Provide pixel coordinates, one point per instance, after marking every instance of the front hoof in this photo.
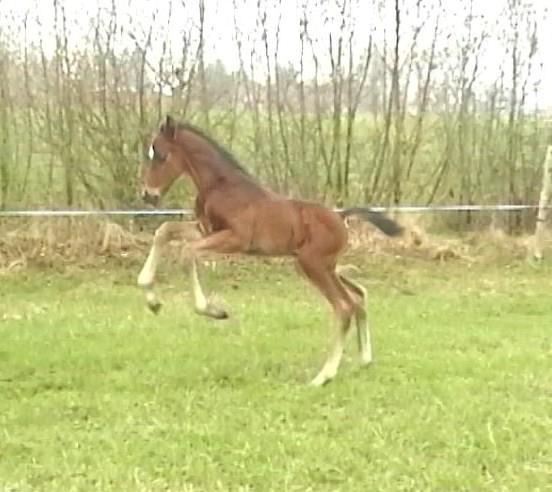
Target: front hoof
(155, 307)
(320, 381)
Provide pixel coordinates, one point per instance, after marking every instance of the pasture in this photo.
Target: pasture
(96, 393)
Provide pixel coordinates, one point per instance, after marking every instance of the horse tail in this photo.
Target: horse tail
(380, 220)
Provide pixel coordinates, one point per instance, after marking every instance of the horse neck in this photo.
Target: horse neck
(201, 173)
(203, 164)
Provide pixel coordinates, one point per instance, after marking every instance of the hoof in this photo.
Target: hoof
(214, 312)
(319, 381)
(366, 361)
(155, 307)
(221, 315)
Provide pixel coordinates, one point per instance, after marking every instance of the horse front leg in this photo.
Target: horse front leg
(202, 304)
(218, 242)
(146, 279)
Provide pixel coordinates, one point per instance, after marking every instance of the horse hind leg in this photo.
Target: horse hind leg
(364, 340)
(329, 285)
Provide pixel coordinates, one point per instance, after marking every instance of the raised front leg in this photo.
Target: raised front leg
(166, 232)
(219, 242)
(203, 305)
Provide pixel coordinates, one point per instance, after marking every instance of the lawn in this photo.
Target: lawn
(96, 393)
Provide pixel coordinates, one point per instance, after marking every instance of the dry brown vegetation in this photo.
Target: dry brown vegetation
(48, 242)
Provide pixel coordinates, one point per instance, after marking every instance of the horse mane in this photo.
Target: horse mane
(228, 157)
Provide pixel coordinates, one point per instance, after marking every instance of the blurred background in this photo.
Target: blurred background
(344, 101)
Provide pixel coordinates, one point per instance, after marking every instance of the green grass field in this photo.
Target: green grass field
(98, 394)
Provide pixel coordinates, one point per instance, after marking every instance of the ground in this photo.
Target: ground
(96, 393)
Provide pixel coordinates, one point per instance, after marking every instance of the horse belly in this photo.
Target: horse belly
(277, 231)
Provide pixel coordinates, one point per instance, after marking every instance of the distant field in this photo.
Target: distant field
(100, 168)
(98, 394)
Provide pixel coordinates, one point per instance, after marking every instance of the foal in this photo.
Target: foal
(237, 215)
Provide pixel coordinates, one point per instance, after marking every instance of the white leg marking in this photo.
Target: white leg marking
(366, 354)
(151, 297)
(147, 274)
(200, 300)
(364, 338)
(362, 323)
(329, 370)
(202, 304)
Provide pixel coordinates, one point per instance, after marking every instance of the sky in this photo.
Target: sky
(171, 19)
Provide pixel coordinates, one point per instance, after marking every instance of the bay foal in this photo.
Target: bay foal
(236, 214)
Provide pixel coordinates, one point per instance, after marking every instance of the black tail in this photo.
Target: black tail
(382, 222)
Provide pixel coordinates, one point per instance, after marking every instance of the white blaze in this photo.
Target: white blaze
(151, 153)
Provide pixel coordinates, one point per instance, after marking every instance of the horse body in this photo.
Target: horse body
(237, 215)
(269, 224)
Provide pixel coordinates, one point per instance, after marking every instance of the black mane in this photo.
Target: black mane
(223, 152)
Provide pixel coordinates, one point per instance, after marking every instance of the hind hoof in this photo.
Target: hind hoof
(366, 361)
(220, 314)
(213, 312)
(319, 381)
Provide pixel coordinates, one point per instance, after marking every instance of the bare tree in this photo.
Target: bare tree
(393, 106)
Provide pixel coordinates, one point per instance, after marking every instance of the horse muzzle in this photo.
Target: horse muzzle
(150, 198)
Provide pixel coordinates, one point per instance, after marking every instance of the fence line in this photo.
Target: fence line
(85, 212)
(449, 208)
(190, 212)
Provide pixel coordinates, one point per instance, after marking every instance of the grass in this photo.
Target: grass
(97, 394)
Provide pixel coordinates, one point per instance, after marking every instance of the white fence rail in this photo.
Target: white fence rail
(190, 212)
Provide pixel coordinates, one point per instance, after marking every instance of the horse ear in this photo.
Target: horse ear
(168, 128)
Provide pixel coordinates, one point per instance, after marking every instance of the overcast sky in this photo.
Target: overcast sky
(221, 18)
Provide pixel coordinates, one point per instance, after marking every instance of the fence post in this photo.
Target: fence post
(543, 201)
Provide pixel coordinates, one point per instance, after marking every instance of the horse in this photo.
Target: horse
(235, 214)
